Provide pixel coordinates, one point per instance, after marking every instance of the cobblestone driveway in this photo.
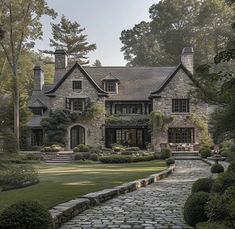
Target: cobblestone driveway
(159, 205)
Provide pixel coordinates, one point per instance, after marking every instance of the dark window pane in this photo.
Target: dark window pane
(37, 111)
(181, 135)
(111, 86)
(78, 104)
(128, 108)
(77, 84)
(180, 105)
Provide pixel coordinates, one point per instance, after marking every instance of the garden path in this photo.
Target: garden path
(159, 205)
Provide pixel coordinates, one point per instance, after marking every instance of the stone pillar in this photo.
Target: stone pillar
(187, 58)
(38, 80)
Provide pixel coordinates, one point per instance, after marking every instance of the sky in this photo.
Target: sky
(103, 20)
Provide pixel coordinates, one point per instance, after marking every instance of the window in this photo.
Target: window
(75, 104)
(180, 105)
(37, 137)
(128, 108)
(77, 85)
(37, 111)
(110, 86)
(181, 135)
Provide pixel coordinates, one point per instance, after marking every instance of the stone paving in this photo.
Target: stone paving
(159, 205)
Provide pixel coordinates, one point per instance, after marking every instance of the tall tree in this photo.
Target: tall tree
(97, 63)
(218, 87)
(205, 25)
(69, 35)
(20, 19)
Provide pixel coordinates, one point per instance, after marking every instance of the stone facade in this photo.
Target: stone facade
(136, 92)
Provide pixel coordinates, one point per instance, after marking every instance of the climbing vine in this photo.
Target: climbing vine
(158, 124)
(55, 126)
(201, 123)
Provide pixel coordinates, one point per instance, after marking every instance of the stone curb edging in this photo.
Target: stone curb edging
(66, 211)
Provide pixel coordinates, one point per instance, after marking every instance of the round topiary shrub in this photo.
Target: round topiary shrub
(78, 157)
(231, 167)
(165, 153)
(83, 148)
(170, 161)
(26, 215)
(194, 208)
(94, 157)
(217, 168)
(205, 152)
(202, 185)
(223, 181)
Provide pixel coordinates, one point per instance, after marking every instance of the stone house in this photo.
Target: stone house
(127, 94)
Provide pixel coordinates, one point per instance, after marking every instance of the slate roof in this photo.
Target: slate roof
(136, 83)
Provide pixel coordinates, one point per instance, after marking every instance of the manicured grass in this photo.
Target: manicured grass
(60, 183)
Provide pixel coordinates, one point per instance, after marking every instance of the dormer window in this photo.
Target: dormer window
(37, 111)
(110, 86)
(77, 85)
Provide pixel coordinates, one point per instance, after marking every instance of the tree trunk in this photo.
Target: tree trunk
(16, 103)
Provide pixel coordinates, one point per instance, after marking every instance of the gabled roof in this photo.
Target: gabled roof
(37, 104)
(169, 78)
(76, 65)
(136, 83)
(110, 76)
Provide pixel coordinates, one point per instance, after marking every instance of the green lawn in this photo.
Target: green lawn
(60, 183)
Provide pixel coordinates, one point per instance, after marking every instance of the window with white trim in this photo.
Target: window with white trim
(180, 105)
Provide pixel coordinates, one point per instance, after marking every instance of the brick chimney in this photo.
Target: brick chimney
(187, 58)
(61, 59)
(38, 80)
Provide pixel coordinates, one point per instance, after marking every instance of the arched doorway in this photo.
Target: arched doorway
(77, 136)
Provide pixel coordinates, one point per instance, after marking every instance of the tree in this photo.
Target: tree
(218, 87)
(205, 25)
(21, 22)
(69, 35)
(97, 63)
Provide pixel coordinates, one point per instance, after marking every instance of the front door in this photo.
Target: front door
(77, 134)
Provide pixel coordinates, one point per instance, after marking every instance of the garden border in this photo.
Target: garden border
(64, 212)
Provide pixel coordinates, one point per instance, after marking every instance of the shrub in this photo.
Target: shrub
(216, 208)
(231, 167)
(223, 181)
(116, 159)
(52, 148)
(129, 152)
(26, 215)
(83, 148)
(9, 142)
(165, 153)
(118, 148)
(211, 225)
(95, 150)
(18, 176)
(32, 156)
(205, 151)
(217, 168)
(170, 161)
(86, 155)
(194, 208)
(143, 158)
(202, 185)
(94, 157)
(78, 157)
(132, 149)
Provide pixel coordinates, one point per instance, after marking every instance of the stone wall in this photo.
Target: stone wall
(179, 88)
(94, 128)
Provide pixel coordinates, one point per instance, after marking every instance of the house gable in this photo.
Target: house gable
(85, 74)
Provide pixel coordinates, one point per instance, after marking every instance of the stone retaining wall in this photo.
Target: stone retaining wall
(66, 211)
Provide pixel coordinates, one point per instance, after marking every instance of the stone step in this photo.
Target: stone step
(187, 157)
(58, 161)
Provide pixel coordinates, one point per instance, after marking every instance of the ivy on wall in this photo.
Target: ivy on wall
(55, 126)
(201, 124)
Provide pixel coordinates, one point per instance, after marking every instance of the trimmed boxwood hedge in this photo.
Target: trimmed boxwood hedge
(125, 159)
(217, 168)
(194, 208)
(202, 185)
(170, 161)
(205, 152)
(26, 215)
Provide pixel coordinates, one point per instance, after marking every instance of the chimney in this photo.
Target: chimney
(187, 58)
(61, 59)
(38, 78)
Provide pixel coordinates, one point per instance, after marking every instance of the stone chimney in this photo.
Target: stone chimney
(38, 80)
(187, 58)
(61, 59)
